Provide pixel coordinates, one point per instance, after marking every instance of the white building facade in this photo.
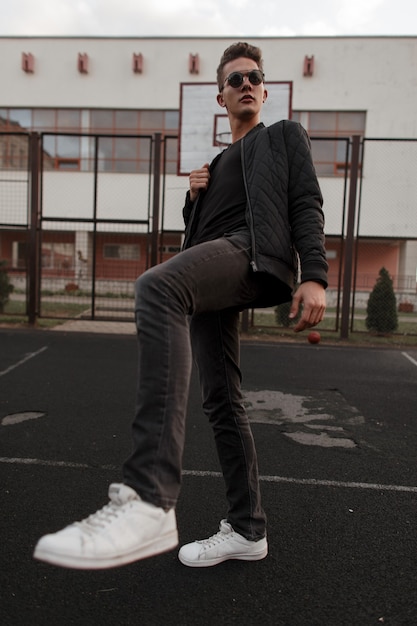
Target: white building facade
(78, 86)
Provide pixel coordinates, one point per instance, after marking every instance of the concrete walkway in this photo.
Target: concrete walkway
(89, 326)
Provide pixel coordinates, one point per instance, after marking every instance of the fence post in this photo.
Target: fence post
(94, 246)
(156, 199)
(34, 266)
(245, 321)
(350, 237)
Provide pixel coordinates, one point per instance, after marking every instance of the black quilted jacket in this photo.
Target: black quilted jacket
(284, 204)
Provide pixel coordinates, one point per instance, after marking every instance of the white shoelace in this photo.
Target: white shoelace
(101, 518)
(215, 539)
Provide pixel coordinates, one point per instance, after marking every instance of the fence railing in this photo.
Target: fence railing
(76, 235)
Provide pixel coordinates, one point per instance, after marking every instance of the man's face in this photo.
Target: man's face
(245, 100)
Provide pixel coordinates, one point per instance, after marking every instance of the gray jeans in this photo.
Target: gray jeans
(190, 305)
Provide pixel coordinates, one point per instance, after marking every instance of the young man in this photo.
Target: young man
(247, 215)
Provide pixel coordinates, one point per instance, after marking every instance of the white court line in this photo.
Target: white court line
(20, 461)
(338, 483)
(202, 473)
(410, 358)
(27, 357)
(314, 482)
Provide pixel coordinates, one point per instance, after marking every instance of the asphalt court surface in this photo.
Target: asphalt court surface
(336, 432)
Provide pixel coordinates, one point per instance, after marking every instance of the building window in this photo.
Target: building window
(169, 249)
(20, 255)
(118, 154)
(329, 153)
(122, 252)
(14, 150)
(58, 256)
(65, 148)
(67, 164)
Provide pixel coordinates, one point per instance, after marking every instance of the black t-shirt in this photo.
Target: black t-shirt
(221, 209)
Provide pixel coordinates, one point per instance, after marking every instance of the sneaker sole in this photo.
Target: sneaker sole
(249, 556)
(162, 544)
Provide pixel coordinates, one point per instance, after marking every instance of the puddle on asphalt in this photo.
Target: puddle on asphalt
(320, 419)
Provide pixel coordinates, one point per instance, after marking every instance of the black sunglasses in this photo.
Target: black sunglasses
(235, 79)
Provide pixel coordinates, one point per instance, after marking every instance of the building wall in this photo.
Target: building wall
(64, 254)
(372, 74)
(376, 74)
(370, 258)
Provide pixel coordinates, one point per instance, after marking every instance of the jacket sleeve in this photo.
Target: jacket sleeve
(305, 203)
(186, 211)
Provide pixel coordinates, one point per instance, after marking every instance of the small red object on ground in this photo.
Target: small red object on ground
(314, 337)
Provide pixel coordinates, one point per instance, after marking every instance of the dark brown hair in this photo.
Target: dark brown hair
(236, 50)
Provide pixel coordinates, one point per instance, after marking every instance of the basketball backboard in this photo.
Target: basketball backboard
(204, 126)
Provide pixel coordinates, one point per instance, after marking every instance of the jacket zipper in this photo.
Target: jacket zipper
(251, 227)
(191, 222)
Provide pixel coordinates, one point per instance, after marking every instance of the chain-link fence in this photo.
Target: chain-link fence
(386, 237)
(14, 221)
(371, 236)
(95, 229)
(75, 235)
(91, 225)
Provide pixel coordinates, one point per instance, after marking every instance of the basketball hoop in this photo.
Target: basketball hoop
(223, 140)
(205, 129)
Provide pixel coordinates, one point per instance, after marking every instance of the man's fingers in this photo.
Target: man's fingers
(309, 318)
(199, 180)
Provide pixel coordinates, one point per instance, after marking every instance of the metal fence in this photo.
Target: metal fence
(76, 234)
(371, 229)
(386, 229)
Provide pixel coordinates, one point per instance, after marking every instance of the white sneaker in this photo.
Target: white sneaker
(224, 545)
(125, 530)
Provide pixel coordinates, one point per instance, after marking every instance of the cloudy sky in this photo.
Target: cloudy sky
(208, 17)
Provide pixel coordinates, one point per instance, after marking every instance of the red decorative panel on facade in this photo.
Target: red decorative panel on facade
(83, 63)
(28, 62)
(308, 66)
(194, 64)
(137, 63)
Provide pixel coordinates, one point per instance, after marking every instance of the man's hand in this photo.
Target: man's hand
(199, 180)
(312, 296)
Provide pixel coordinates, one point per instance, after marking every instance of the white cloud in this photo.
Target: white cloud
(355, 14)
(318, 28)
(207, 17)
(240, 4)
(278, 31)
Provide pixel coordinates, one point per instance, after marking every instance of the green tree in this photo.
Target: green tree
(381, 310)
(5, 287)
